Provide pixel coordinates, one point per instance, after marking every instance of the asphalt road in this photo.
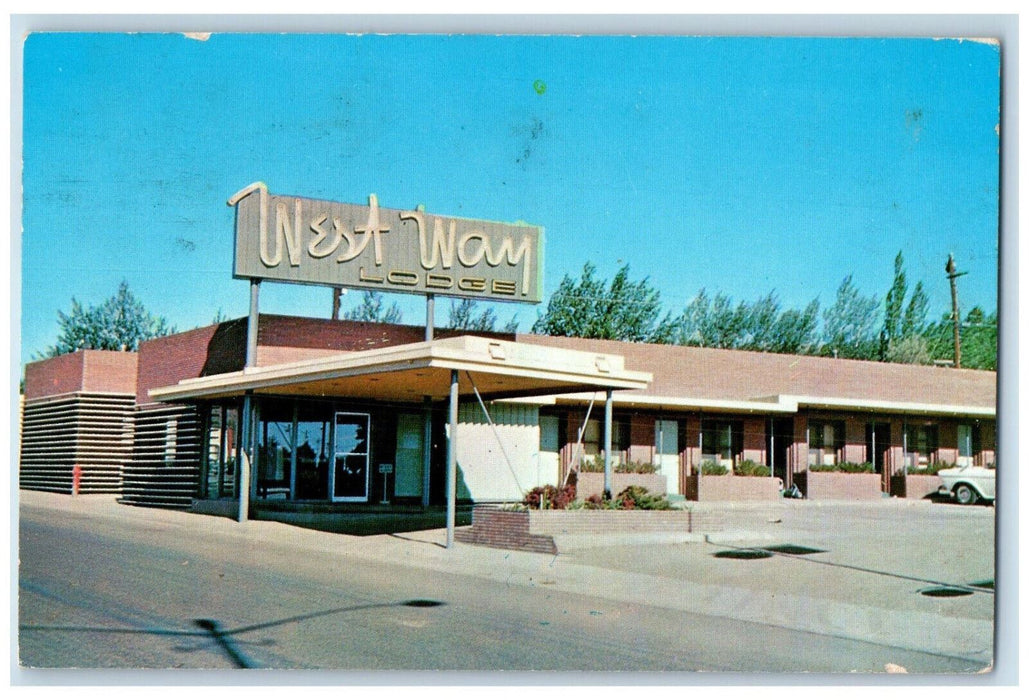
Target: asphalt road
(164, 593)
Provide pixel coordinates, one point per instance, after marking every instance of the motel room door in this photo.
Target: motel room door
(877, 449)
(666, 440)
(350, 467)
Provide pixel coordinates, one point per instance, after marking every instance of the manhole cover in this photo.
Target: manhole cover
(945, 592)
(743, 554)
(422, 603)
(793, 549)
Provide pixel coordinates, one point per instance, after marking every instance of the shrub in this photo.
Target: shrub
(856, 467)
(633, 467)
(710, 468)
(637, 497)
(550, 497)
(822, 467)
(749, 467)
(844, 467)
(930, 469)
(596, 464)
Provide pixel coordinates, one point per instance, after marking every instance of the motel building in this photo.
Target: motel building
(268, 416)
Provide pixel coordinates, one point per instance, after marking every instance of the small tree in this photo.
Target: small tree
(373, 309)
(119, 323)
(463, 316)
(589, 308)
(849, 324)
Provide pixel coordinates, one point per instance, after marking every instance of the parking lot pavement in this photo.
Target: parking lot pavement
(866, 583)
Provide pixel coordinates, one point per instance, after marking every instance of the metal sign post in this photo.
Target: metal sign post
(385, 470)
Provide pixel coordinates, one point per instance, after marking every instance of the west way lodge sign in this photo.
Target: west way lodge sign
(309, 241)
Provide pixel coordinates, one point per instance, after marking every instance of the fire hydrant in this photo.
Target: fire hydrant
(76, 479)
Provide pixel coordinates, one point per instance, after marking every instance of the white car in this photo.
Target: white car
(969, 484)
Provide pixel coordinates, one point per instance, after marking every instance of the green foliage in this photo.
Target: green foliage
(119, 323)
(762, 325)
(916, 313)
(630, 498)
(588, 308)
(912, 350)
(978, 340)
(464, 316)
(596, 464)
(931, 469)
(372, 309)
(854, 326)
(749, 467)
(849, 324)
(550, 497)
(893, 307)
(709, 468)
(845, 467)
(639, 498)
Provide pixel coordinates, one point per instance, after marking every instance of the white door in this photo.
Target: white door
(666, 453)
(549, 461)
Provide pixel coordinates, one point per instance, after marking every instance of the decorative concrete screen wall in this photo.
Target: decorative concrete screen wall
(164, 470)
(484, 471)
(77, 411)
(93, 431)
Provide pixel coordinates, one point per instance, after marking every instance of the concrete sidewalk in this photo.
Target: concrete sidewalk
(865, 585)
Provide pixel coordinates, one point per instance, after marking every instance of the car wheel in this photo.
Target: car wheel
(965, 494)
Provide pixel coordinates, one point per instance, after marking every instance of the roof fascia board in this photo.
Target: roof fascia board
(892, 406)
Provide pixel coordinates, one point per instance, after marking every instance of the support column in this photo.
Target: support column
(427, 452)
(452, 461)
(252, 321)
(608, 413)
(247, 466)
(430, 316)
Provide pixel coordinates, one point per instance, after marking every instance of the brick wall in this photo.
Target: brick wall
(166, 361)
(534, 530)
(754, 439)
(641, 438)
(54, 376)
(110, 372)
(605, 522)
(97, 371)
(504, 529)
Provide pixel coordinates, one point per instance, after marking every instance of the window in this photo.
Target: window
(275, 447)
(721, 441)
(923, 441)
(826, 440)
(593, 438)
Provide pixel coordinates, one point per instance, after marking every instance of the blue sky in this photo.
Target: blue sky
(739, 165)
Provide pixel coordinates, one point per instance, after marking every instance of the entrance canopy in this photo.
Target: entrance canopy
(409, 373)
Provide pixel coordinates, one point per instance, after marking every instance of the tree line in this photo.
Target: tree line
(855, 326)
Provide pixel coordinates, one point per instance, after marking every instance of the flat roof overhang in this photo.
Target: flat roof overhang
(782, 405)
(409, 373)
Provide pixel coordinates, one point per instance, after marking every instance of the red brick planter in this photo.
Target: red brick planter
(504, 529)
(730, 487)
(839, 486)
(915, 486)
(534, 530)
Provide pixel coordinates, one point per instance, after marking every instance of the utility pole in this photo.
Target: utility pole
(952, 275)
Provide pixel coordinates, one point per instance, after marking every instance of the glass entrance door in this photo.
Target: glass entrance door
(350, 467)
